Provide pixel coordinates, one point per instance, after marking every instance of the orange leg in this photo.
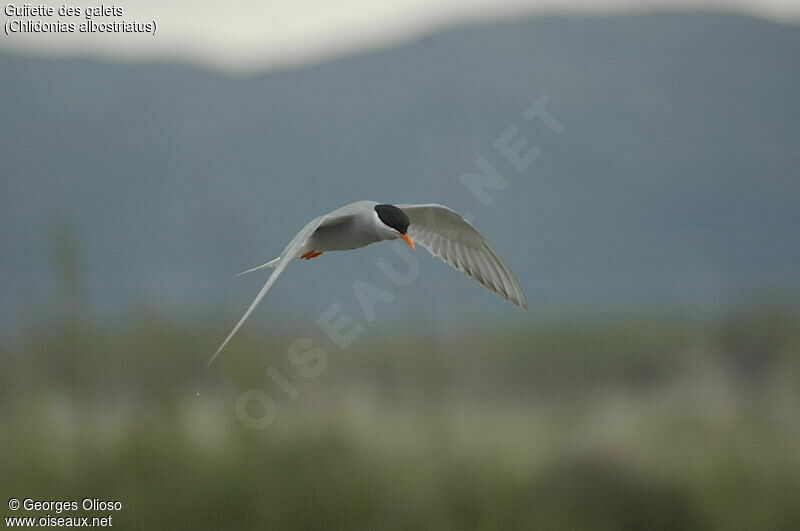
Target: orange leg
(310, 254)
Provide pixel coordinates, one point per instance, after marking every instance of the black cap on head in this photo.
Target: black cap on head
(393, 217)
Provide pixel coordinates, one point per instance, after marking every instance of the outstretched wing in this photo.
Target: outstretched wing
(280, 264)
(444, 233)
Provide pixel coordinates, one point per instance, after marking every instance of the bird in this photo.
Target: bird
(442, 231)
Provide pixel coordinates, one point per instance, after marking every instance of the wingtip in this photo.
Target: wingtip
(217, 353)
(212, 359)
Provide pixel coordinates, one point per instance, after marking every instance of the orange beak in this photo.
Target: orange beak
(407, 240)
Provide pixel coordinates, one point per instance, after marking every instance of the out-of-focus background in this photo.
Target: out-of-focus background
(654, 382)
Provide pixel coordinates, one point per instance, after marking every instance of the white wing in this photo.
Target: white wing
(287, 255)
(444, 233)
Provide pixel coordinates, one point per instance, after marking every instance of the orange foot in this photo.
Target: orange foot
(310, 254)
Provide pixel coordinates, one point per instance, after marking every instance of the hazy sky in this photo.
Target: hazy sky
(246, 34)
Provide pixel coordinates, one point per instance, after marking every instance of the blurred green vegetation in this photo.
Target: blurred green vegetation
(641, 422)
(622, 425)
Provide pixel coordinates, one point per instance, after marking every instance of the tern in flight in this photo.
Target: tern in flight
(442, 231)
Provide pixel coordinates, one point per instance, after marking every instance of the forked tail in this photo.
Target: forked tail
(271, 263)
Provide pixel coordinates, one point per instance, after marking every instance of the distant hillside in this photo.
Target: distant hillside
(676, 180)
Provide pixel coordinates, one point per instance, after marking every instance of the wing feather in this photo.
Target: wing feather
(448, 236)
(289, 253)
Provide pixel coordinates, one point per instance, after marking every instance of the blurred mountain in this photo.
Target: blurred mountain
(676, 180)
